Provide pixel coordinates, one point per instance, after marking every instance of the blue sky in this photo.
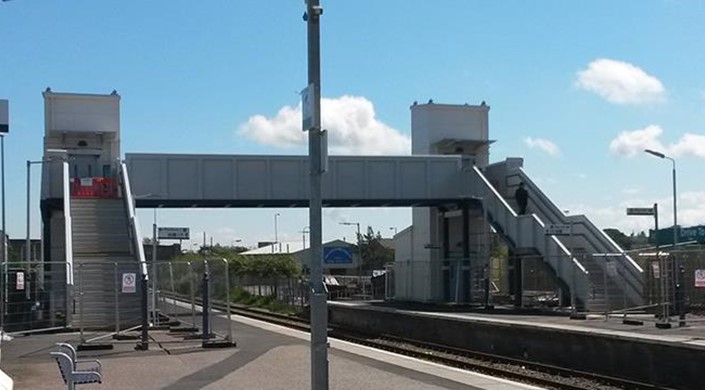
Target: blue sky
(576, 88)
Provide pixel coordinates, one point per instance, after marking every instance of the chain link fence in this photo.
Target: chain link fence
(34, 296)
(228, 281)
(671, 285)
(675, 282)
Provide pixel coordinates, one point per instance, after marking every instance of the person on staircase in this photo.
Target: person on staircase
(522, 197)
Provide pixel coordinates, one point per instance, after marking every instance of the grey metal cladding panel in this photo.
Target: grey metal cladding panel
(146, 176)
(218, 177)
(183, 176)
(251, 178)
(350, 179)
(286, 178)
(444, 179)
(413, 179)
(381, 179)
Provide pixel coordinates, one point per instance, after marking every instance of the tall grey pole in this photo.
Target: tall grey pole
(2, 179)
(4, 235)
(27, 242)
(675, 207)
(359, 249)
(276, 230)
(155, 279)
(319, 314)
(28, 248)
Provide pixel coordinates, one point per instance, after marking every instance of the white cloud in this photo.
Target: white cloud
(691, 208)
(689, 144)
(621, 82)
(543, 144)
(352, 125)
(631, 143)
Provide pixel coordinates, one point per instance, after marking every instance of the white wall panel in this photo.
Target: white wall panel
(285, 178)
(183, 178)
(381, 179)
(252, 178)
(218, 178)
(413, 178)
(246, 179)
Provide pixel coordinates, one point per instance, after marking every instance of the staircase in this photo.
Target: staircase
(102, 252)
(584, 268)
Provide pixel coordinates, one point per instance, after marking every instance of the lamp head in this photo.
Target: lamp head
(655, 153)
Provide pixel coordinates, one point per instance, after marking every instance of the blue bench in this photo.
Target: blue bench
(68, 366)
(88, 364)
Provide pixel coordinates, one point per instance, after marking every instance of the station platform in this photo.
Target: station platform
(692, 334)
(266, 357)
(670, 357)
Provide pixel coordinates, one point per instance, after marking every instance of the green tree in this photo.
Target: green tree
(620, 238)
(374, 254)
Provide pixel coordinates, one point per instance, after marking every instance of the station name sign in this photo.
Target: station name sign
(640, 211)
(173, 233)
(557, 229)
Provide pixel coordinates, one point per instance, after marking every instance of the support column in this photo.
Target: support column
(515, 279)
(464, 283)
(446, 235)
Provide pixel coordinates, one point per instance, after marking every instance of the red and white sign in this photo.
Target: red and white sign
(129, 283)
(700, 278)
(20, 281)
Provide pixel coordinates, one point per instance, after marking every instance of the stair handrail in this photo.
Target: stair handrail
(562, 246)
(488, 186)
(561, 217)
(607, 245)
(580, 278)
(555, 215)
(129, 201)
(68, 224)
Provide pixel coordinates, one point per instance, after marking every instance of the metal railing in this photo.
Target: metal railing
(34, 296)
(528, 232)
(132, 218)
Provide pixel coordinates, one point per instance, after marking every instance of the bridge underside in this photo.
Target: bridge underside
(449, 204)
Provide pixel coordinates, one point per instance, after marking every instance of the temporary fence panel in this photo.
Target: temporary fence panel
(107, 295)
(34, 296)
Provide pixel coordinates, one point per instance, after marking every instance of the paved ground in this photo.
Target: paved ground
(267, 357)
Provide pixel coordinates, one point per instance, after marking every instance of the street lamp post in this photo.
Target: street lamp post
(4, 128)
(303, 235)
(395, 229)
(276, 232)
(359, 248)
(675, 219)
(675, 198)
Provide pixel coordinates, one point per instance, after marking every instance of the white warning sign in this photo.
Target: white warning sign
(700, 278)
(20, 281)
(129, 283)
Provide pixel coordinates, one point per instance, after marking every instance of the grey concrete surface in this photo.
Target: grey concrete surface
(266, 357)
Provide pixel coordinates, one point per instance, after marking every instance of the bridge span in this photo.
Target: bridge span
(190, 180)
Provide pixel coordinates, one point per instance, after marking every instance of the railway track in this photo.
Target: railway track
(548, 376)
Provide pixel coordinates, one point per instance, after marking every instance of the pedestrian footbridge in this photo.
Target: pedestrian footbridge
(183, 180)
